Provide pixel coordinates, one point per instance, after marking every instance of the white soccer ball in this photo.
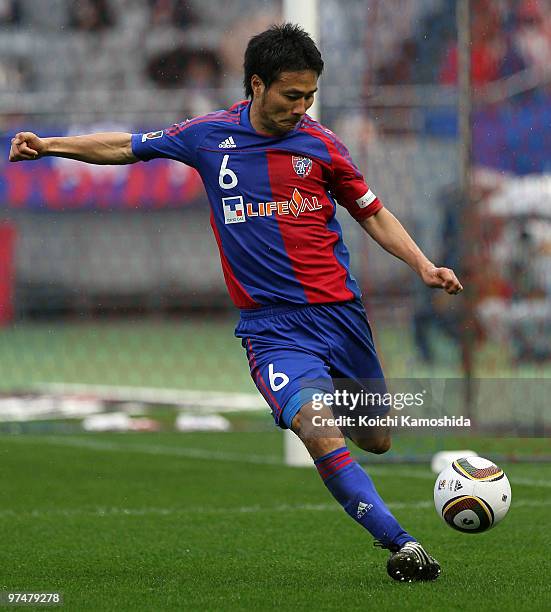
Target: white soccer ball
(472, 494)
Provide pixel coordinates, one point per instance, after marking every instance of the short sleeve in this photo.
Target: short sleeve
(348, 185)
(179, 142)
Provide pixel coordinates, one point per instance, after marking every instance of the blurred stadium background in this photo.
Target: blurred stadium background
(111, 293)
(114, 315)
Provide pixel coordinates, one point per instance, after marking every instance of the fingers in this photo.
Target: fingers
(24, 149)
(20, 149)
(453, 288)
(450, 282)
(22, 140)
(15, 157)
(16, 154)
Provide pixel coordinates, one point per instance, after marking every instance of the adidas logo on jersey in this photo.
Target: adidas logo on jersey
(227, 144)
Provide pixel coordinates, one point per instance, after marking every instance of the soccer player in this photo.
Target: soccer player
(274, 178)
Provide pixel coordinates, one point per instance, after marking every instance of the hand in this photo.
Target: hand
(442, 278)
(26, 146)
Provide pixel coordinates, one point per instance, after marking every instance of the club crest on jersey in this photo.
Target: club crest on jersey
(237, 211)
(302, 165)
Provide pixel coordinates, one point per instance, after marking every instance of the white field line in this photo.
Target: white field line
(199, 453)
(209, 401)
(151, 449)
(102, 512)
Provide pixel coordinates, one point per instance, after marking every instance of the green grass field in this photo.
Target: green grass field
(216, 522)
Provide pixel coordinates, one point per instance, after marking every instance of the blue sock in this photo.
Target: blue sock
(356, 493)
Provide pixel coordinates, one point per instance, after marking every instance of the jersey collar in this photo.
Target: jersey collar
(245, 119)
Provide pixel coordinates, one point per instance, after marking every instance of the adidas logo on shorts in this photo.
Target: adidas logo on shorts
(227, 144)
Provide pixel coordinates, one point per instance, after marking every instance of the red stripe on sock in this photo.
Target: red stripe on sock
(337, 468)
(329, 460)
(334, 468)
(334, 464)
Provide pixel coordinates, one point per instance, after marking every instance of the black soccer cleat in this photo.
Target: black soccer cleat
(412, 563)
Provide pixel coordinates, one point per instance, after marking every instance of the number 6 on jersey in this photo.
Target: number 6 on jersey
(226, 173)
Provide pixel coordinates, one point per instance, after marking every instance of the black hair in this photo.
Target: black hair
(285, 47)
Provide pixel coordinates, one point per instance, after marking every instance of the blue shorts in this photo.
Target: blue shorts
(295, 352)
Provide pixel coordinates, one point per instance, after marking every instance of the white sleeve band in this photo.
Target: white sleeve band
(366, 199)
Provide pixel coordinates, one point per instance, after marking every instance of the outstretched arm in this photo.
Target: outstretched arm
(385, 229)
(101, 148)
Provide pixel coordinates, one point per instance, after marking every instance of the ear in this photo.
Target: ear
(257, 85)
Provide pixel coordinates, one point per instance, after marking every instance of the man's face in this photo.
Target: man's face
(279, 108)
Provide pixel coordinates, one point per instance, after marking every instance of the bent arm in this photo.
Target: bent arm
(385, 229)
(100, 148)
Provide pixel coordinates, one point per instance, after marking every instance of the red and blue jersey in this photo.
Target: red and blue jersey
(273, 202)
